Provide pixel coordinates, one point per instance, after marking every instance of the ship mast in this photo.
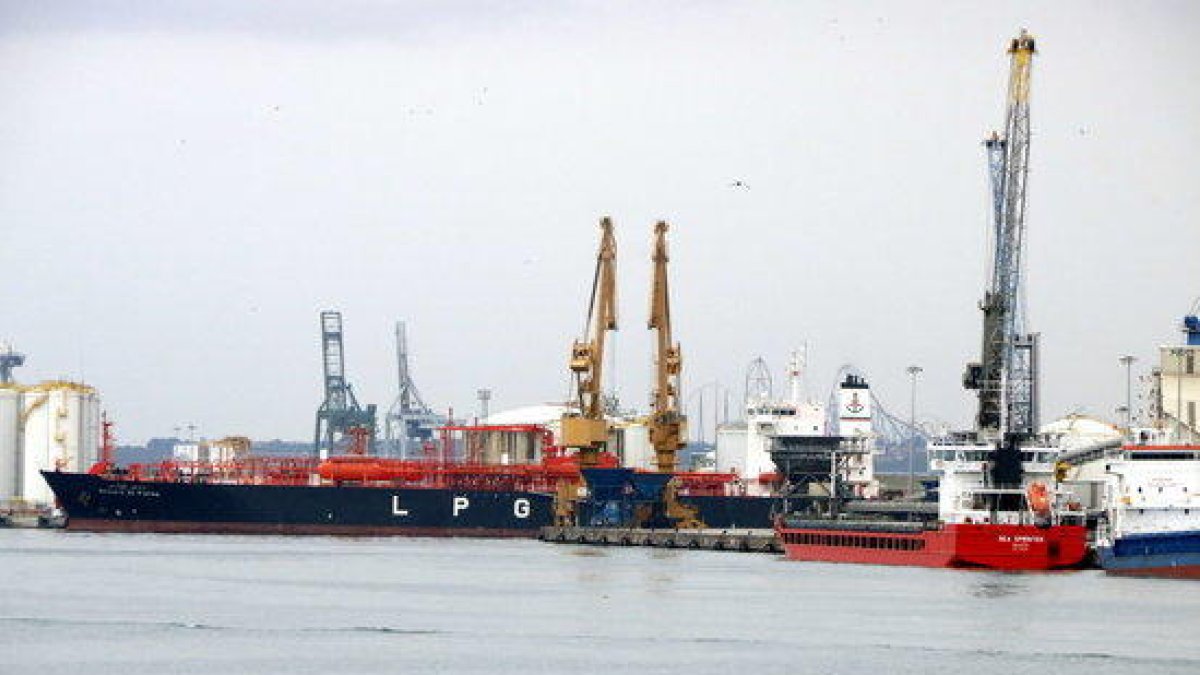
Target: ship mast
(666, 423)
(1007, 374)
(587, 430)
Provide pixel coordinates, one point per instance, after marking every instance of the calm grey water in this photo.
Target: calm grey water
(128, 604)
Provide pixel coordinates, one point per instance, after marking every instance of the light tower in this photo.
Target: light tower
(485, 397)
(913, 372)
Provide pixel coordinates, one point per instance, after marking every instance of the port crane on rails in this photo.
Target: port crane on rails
(665, 424)
(1006, 376)
(587, 430)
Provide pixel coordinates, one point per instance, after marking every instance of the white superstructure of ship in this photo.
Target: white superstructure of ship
(967, 492)
(1150, 521)
(747, 451)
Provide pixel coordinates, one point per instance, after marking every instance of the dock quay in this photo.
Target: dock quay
(745, 540)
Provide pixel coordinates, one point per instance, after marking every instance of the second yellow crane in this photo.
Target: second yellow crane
(666, 423)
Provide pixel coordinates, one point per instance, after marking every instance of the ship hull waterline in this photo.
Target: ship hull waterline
(1169, 555)
(95, 504)
(965, 546)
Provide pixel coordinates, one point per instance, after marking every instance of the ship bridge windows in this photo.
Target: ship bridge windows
(1003, 501)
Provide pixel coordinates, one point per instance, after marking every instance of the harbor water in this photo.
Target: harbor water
(130, 604)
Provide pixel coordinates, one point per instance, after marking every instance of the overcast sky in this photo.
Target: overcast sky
(185, 185)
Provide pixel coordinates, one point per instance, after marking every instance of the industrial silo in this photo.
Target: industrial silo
(61, 431)
(10, 439)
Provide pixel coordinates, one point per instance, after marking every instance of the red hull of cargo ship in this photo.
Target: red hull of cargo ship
(986, 546)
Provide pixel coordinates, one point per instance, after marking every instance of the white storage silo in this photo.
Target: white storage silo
(10, 439)
(61, 431)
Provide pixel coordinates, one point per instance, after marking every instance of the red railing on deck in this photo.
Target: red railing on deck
(358, 470)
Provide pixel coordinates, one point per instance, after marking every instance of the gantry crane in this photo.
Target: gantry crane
(1006, 376)
(340, 416)
(587, 430)
(666, 424)
(409, 422)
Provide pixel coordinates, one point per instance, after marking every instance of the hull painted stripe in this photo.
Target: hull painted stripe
(317, 529)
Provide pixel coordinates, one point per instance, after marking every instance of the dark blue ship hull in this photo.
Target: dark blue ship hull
(94, 503)
(99, 504)
(728, 513)
(623, 497)
(1162, 554)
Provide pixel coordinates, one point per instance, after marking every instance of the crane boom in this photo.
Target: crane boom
(587, 430)
(1006, 375)
(666, 422)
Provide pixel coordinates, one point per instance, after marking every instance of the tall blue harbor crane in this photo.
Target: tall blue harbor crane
(1007, 374)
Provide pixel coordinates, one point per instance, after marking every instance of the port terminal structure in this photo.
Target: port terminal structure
(410, 423)
(587, 430)
(340, 418)
(747, 541)
(54, 424)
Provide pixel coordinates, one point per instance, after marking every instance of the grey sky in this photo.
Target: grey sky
(184, 185)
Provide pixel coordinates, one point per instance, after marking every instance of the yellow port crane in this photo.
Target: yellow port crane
(587, 430)
(666, 423)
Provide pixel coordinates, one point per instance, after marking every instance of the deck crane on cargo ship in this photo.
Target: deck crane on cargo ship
(1006, 376)
(587, 430)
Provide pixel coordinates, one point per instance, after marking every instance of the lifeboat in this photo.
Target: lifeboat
(1039, 498)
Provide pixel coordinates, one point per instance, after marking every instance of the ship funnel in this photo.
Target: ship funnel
(854, 407)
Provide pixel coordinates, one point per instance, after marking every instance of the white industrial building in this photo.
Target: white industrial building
(52, 425)
(1177, 380)
(629, 437)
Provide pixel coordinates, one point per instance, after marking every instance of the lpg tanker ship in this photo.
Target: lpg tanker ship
(509, 482)
(354, 494)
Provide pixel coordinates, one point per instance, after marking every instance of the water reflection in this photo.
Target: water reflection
(999, 586)
(586, 552)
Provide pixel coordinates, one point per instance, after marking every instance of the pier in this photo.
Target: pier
(744, 540)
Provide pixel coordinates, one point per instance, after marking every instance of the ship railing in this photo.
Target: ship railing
(251, 470)
(370, 471)
(988, 505)
(712, 483)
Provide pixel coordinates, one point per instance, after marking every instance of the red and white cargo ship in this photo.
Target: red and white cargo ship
(978, 525)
